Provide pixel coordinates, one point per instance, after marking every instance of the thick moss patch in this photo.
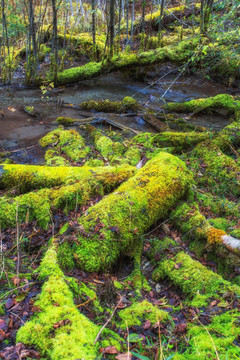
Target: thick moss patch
(111, 226)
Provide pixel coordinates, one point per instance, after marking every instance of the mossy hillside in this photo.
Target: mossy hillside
(198, 283)
(25, 178)
(65, 142)
(41, 204)
(139, 312)
(218, 338)
(125, 105)
(59, 330)
(111, 226)
(216, 103)
(176, 53)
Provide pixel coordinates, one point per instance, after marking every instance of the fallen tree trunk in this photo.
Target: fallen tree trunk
(111, 227)
(191, 222)
(176, 53)
(24, 178)
(40, 205)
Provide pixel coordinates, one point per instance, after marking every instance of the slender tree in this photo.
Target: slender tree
(111, 26)
(54, 41)
(94, 27)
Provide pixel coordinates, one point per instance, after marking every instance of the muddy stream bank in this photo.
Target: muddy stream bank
(20, 131)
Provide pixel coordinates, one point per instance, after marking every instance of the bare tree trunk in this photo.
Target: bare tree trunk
(111, 26)
(5, 40)
(94, 28)
(32, 50)
(54, 42)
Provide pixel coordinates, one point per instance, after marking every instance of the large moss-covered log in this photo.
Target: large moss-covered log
(112, 226)
(177, 53)
(59, 330)
(40, 205)
(24, 178)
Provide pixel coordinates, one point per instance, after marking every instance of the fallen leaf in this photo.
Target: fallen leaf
(125, 356)
(147, 325)
(109, 350)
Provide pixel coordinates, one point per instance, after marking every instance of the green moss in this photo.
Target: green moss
(132, 156)
(220, 171)
(218, 102)
(127, 104)
(40, 205)
(177, 53)
(180, 140)
(112, 225)
(65, 257)
(29, 177)
(217, 338)
(59, 330)
(139, 312)
(194, 279)
(65, 142)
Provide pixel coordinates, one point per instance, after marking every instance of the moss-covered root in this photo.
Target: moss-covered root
(24, 178)
(201, 287)
(139, 312)
(114, 152)
(41, 204)
(178, 140)
(190, 221)
(194, 279)
(216, 103)
(64, 143)
(59, 330)
(220, 171)
(107, 106)
(112, 225)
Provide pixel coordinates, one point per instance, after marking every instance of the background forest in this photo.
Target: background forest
(119, 180)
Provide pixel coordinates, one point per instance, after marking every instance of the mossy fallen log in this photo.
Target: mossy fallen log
(111, 227)
(216, 103)
(24, 178)
(41, 204)
(190, 221)
(179, 140)
(107, 106)
(177, 53)
(59, 330)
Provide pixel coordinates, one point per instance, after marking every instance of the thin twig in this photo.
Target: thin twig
(108, 321)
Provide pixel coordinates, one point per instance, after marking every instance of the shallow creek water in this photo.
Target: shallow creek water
(20, 130)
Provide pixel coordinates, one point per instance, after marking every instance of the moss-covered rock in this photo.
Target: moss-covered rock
(65, 142)
(111, 226)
